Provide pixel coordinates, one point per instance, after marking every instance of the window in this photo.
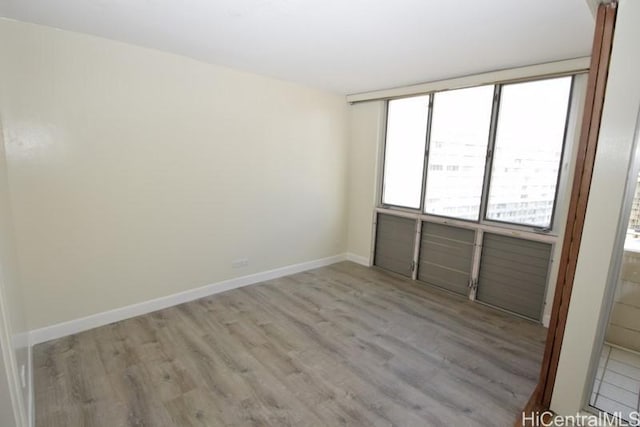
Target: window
(404, 151)
(528, 148)
(458, 193)
(492, 152)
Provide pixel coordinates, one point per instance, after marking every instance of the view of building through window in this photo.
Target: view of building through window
(634, 220)
(528, 150)
(457, 153)
(632, 242)
(524, 165)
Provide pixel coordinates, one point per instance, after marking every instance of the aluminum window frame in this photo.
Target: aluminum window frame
(494, 107)
(563, 154)
(385, 129)
(567, 146)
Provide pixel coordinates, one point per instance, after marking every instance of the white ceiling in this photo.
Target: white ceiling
(345, 46)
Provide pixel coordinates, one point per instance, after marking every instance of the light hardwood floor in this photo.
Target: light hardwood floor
(341, 345)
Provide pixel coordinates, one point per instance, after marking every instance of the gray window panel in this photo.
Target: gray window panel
(506, 276)
(520, 258)
(521, 246)
(446, 256)
(512, 305)
(452, 280)
(394, 243)
(512, 269)
(452, 258)
(513, 274)
(448, 232)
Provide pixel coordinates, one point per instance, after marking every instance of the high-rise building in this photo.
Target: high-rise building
(634, 219)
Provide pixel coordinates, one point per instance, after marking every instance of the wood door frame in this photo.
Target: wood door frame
(592, 115)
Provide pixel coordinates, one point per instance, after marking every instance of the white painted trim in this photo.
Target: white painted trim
(8, 361)
(568, 66)
(358, 259)
(70, 327)
(546, 319)
(508, 230)
(31, 408)
(21, 340)
(417, 227)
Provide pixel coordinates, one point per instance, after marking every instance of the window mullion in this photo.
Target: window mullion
(426, 153)
(563, 155)
(489, 159)
(384, 155)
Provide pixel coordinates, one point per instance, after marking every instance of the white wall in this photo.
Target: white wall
(137, 174)
(365, 136)
(14, 351)
(623, 327)
(603, 212)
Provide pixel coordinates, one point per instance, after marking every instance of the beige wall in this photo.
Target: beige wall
(603, 213)
(365, 138)
(137, 174)
(13, 328)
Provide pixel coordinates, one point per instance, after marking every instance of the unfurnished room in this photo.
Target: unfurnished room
(319, 213)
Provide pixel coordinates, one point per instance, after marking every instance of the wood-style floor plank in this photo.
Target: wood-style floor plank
(340, 345)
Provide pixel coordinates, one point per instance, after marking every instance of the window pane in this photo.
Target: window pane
(404, 151)
(457, 152)
(528, 150)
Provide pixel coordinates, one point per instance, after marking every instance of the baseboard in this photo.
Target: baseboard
(63, 329)
(358, 259)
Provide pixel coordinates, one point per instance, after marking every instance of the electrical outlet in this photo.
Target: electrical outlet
(23, 376)
(240, 262)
